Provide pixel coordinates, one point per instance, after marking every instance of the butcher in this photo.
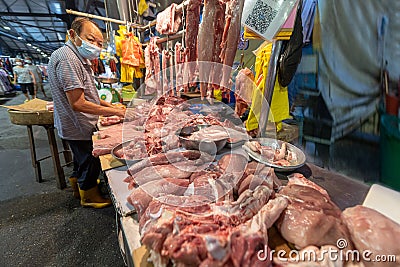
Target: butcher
(77, 106)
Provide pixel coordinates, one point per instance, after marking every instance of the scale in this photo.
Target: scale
(108, 94)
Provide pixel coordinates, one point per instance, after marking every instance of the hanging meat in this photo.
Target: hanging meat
(113, 65)
(219, 23)
(170, 59)
(192, 23)
(206, 45)
(233, 16)
(165, 82)
(179, 60)
(244, 86)
(152, 63)
(169, 20)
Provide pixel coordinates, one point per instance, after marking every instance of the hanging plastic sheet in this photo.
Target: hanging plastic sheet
(266, 17)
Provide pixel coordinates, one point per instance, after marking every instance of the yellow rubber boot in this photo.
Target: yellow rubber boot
(73, 181)
(92, 198)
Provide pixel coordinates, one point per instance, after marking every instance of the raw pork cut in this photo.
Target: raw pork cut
(206, 45)
(110, 120)
(230, 38)
(192, 23)
(310, 218)
(141, 196)
(152, 63)
(105, 145)
(169, 20)
(159, 172)
(164, 158)
(373, 231)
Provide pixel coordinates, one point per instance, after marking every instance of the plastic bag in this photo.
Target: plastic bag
(266, 17)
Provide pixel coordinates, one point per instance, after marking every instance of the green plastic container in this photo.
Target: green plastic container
(390, 151)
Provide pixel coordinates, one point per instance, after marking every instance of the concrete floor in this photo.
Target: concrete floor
(41, 225)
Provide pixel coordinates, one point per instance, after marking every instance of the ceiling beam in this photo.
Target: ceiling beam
(48, 48)
(88, 5)
(52, 20)
(7, 6)
(49, 41)
(63, 17)
(5, 45)
(24, 14)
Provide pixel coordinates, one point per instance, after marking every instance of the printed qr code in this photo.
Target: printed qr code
(261, 16)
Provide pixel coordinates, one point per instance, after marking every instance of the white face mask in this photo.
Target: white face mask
(28, 62)
(18, 63)
(88, 50)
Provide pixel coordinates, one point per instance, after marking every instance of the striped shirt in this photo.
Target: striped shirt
(67, 70)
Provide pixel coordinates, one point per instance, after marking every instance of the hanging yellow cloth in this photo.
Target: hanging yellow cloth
(143, 6)
(129, 49)
(280, 101)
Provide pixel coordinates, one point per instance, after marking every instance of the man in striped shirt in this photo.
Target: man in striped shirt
(77, 105)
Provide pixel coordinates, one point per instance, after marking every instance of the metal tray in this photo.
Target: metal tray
(208, 146)
(301, 157)
(123, 160)
(235, 144)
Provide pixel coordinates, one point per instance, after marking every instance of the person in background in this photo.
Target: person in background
(25, 78)
(77, 105)
(38, 75)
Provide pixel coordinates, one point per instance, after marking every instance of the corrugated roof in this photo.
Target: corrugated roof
(38, 27)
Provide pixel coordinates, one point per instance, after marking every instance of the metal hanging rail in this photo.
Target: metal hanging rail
(170, 37)
(117, 21)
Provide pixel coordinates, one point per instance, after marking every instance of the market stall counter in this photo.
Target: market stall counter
(345, 192)
(177, 204)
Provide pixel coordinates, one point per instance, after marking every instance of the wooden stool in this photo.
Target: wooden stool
(58, 168)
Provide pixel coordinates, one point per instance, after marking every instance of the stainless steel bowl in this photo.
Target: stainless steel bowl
(211, 147)
(123, 160)
(107, 80)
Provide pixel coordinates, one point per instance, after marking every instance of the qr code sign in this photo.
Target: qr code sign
(261, 17)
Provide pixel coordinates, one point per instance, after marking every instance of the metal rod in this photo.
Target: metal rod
(269, 88)
(72, 12)
(117, 21)
(170, 37)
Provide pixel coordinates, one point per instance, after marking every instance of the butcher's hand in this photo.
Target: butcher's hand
(120, 112)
